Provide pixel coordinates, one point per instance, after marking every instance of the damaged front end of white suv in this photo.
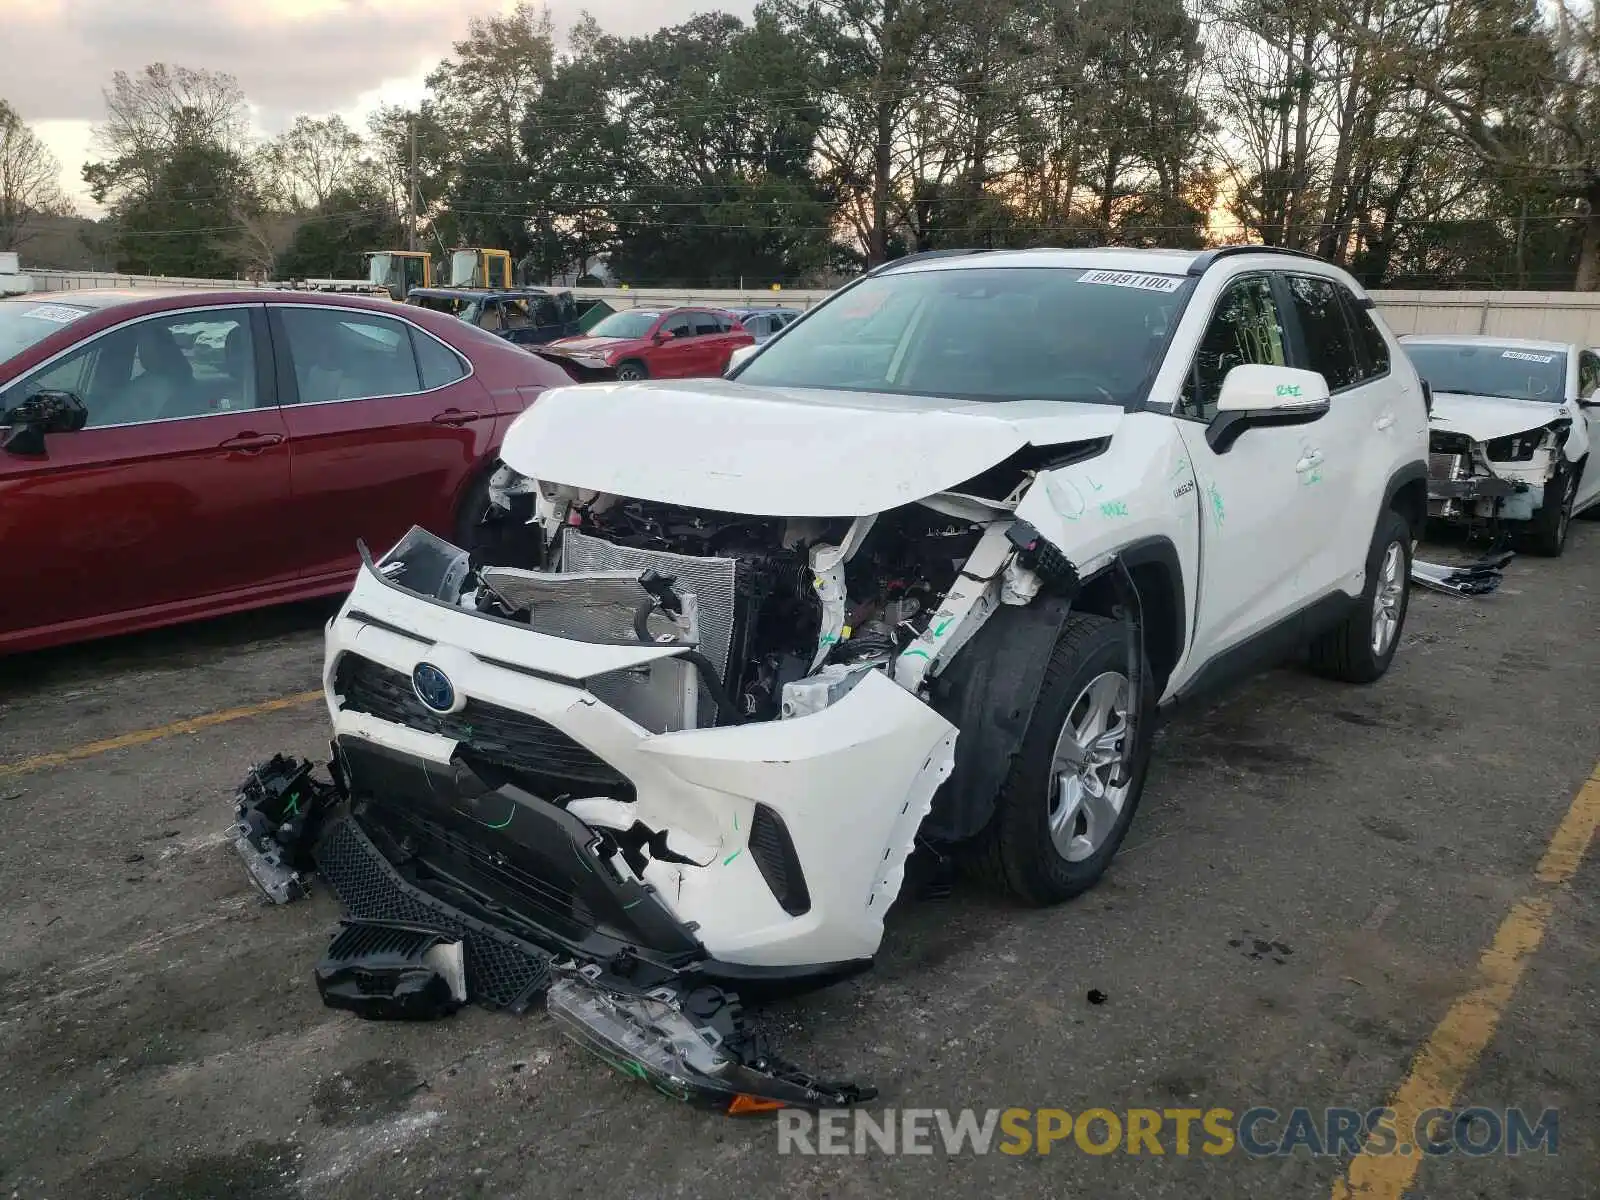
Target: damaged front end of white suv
(675, 748)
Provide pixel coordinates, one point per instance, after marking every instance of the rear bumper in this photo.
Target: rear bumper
(776, 848)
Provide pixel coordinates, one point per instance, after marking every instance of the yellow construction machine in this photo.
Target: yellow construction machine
(476, 267)
(398, 271)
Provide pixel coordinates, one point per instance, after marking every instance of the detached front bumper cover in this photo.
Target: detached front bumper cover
(403, 953)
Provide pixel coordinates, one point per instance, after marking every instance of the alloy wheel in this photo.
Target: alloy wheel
(1084, 805)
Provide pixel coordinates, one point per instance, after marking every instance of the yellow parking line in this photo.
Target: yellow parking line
(39, 762)
(1445, 1060)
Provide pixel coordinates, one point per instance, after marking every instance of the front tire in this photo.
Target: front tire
(1361, 647)
(632, 371)
(1547, 532)
(1059, 820)
(470, 514)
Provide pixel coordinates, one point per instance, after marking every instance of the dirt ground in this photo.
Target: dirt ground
(161, 1035)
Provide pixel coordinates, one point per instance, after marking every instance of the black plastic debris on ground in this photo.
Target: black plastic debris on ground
(387, 971)
(280, 809)
(502, 971)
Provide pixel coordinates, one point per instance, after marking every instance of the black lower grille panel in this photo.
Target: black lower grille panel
(502, 971)
(535, 749)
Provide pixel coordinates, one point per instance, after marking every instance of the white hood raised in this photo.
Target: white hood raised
(1484, 418)
(779, 452)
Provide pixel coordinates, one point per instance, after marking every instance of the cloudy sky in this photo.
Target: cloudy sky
(290, 56)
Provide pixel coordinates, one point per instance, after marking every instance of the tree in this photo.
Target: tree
(189, 219)
(865, 60)
(151, 116)
(352, 219)
(307, 163)
(392, 131)
(689, 151)
(1520, 82)
(483, 94)
(29, 181)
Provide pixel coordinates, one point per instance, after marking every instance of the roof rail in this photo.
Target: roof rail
(924, 256)
(1204, 262)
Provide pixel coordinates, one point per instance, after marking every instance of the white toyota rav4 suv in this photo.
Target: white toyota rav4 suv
(923, 567)
(1514, 425)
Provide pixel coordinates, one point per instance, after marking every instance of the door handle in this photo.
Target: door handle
(251, 443)
(1312, 460)
(454, 416)
(1383, 422)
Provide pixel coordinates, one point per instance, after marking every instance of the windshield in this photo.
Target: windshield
(1476, 369)
(24, 322)
(633, 324)
(988, 334)
(378, 268)
(464, 268)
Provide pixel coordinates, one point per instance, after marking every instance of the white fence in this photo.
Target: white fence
(66, 281)
(1555, 316)
(1550, 316)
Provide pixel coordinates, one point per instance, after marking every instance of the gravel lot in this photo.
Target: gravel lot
(162, 1036)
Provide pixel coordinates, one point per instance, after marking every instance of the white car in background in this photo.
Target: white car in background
(1511, 432)
(13, 281)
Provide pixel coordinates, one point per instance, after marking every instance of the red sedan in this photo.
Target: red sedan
(166, 455)
(653, 343)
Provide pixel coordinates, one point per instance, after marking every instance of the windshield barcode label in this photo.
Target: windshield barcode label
(1524, 356)
(1132, 279)
(59, 313)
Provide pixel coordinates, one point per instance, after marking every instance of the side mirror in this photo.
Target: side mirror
(664, 335)
(740, 356)
(1256, 396)
(39, 414)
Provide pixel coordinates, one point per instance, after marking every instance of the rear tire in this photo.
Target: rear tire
(1042, 806)
(1361, 647)
(1546, 535)
(632, 371)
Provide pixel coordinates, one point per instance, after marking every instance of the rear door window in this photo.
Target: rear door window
(1370, 339)
(346, 354)
(1327, 341)
(437, 363)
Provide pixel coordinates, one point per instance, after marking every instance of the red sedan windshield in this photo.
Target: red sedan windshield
(24, 322)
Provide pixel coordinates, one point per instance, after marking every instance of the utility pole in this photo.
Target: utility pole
(411, 204)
